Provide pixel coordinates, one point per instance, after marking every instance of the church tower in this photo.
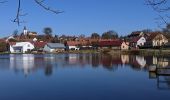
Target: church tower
(25, 31)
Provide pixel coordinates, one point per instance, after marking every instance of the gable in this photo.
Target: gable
(142, 39)
(160, 37)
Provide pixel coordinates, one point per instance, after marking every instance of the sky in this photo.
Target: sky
(79, 17)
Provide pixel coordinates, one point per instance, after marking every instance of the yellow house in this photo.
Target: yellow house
(157, 39)
(125, 45)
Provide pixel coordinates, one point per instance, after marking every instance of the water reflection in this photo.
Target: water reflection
(29, 63)
(84, 77)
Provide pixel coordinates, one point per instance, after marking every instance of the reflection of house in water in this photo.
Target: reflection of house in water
(72, 58)
(141, 61)
(85, 59)
(160, 61)
(111, 62)
(78, 59)
(163, 62)
(23, 62)
(125, 59)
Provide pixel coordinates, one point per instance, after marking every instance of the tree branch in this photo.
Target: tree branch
(40, 3)
(3, 1)
(161, 7)
(17, 18)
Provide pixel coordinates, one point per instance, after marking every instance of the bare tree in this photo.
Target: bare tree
(3, 1)
(162, 7)
(19, 12)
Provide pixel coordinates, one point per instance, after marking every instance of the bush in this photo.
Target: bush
(3, 47)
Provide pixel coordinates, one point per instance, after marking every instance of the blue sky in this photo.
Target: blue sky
(80, 16)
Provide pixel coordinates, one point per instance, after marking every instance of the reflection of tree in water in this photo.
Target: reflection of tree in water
(106, 61)
(95, 60)
(110, 62)
(48, 69)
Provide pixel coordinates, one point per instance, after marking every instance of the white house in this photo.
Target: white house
(54, 47)
(72, 45)
(21, 47)
(137, 41)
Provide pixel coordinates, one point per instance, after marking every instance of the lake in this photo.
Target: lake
(82, 77)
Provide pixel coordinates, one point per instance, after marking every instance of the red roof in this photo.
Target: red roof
(110, 43)
(72, 43)
(135, 39)
(39, 44)
(12, 43)
(76, 43)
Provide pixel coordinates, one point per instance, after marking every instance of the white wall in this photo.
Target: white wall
(27, 46)
(47, 49)
(73, 47)
(141, 41)
(11, 49)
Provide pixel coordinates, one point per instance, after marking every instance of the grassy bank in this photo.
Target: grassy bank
(155, 52)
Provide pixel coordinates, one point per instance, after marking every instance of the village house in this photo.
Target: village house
(39, 46)
(81, 44)
(156, 39)
(54, 47)
(111, 44)
(137, 42)
(72, 45)
(21, 47)
(136, 34)
(125, 45)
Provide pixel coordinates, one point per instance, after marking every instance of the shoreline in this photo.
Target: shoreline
(154, 52)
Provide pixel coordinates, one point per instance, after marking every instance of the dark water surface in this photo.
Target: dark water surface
(82, 77)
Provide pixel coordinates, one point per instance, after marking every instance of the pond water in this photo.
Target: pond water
(82, 77)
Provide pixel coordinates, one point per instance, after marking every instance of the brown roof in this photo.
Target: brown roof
(110, 43)
(76, 43)
(72, 43)
(135, 39)
(152, 35)
(39, 44)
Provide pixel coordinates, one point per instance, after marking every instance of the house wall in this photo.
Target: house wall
(124, 46)
(11, 49)
(27, 47)
(159, 40)
(141, 42)
(47, 49)
(73, 47)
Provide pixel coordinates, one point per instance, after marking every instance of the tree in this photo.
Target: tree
(82, 36)
(95, 36)
(3, 46)
(162, 8)
(19, 12)
(48, 31)
(110, 35)
(167, 29)
(15, 33)
(55, 39)
(145, 31)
